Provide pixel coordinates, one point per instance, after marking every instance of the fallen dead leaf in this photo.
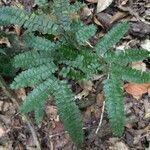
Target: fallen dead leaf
(103, 4)
(21, 94)
(146, 44)
(139, 65)
(117, 145)
(147, 108)
(92, 1)
(2, 131)
(136, 90)
(118, 15)
(51, 112)
(99, 100)
(17, 29)
(87, 86)
(4, 40)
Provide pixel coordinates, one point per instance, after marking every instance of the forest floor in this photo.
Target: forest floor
(15, 133)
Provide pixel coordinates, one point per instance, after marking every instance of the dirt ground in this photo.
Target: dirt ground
(15, 133)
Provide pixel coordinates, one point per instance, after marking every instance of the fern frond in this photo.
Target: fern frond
(6, 67)
(115, 104)
(67, 108)
(85, 60)
(61, 9)
(126, 56)
(32, 59)
(84, 33)
(111, 38)
(71, 73)
(131, 75)
(39, 113)
(38, 43)
(69, 112)
(33, 76)
(31, 21)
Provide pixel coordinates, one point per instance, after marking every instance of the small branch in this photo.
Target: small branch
(131, 12)
(10, 94)
(88, 43)
(101, 118)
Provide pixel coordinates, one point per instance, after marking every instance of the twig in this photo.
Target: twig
(14, 99)
(88, 43)
(101, 118)
(131, 12)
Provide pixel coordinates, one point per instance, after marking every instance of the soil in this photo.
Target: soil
(15, 133)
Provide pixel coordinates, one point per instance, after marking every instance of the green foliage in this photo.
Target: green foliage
(31, 59)
(7, 51)
(48, 64)
(65, 102)
(115, 104)
(126, 56)
(110, 39)
(131, 75)
(28, 20)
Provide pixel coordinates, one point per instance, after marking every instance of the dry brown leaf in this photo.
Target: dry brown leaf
(146, 44)
(2, 131)
(118, 15)
(139, 65)
(99, 99)
(97, 22)
(147, 108)
(87, 86)
(17, 29)
(116, 144)
(4, 40)
(51, 112)
(21, 93)
(103, 4)
(85, 12)
(92, 1)
(136, 90)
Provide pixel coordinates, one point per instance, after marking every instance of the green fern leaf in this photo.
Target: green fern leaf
(38, 43)
(6, 67)
(84, 33)
(131, 75)
(126, 56)
(71, 73)
(32, 59)
(33, 76)
(31, 21)
(111, 38)
(39, 113)
(115, 104)
(61, 9)
(65, 102)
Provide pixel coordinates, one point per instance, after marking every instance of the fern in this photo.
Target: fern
(111, 38)
(84, 33)
(126, 56)
(39, 43)
(131, 75)
(114, 104)
(31, 21)
(64, 101)
(34, 76)
(32, 59)
(70, 58)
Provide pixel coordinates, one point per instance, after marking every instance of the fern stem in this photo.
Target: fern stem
(10, 94)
